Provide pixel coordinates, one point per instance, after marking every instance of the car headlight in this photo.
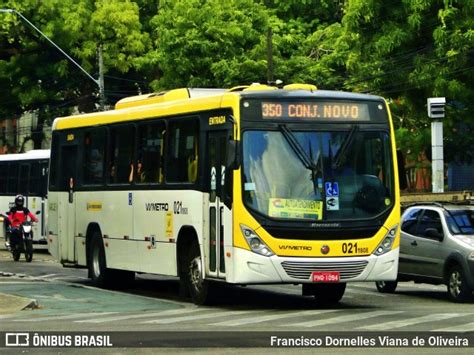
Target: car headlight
(255, 243)
(387, 242)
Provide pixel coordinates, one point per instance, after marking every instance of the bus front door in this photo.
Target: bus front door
(220, 217)
(67, 203)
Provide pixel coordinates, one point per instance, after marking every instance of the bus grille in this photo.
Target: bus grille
(302, 270)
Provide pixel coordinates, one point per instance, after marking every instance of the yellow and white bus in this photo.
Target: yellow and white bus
(26, 174)
(251, 185)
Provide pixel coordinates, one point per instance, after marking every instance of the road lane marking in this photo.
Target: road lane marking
(20, 282)
(254, 320)
(69, 316)
(468, 327)
(343, 319)
(168, 312)
(411, 321)
(64, 277)
(196, 317)
(45, 276)
(361, 292)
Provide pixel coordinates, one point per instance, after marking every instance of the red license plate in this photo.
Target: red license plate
(325, 276)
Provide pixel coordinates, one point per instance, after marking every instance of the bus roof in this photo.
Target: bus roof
(182, 101)
(30, 155)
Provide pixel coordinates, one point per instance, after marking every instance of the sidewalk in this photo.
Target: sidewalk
(11, 304)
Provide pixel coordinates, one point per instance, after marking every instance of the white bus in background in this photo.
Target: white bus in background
(26, 174)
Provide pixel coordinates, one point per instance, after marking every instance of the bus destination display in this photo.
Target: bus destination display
(315, 110)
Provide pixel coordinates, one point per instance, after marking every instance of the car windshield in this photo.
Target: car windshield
(461, 221)
(330, 175)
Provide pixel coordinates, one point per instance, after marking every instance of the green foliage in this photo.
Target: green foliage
(413, 141)
(405, 50)
(37, 76)
(209, 43)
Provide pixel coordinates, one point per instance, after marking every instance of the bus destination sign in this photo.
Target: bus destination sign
(349, 111)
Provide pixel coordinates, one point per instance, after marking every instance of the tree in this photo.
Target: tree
(36, 76)
(408, 51)
(210, 43)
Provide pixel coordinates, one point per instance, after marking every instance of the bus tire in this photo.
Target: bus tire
(386, 286)
(193, 277)
(328, 293)
(458, 290)
(100, 275)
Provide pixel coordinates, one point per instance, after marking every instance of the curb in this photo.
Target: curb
(32, 305)
(10, 304)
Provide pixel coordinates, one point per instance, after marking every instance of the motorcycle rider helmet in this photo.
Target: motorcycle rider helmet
(19, 201)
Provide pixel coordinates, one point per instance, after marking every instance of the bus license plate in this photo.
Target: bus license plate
(325, 276)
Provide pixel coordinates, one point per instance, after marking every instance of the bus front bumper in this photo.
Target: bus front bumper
(251, 268)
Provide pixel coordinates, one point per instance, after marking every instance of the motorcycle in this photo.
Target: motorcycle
(21, 241)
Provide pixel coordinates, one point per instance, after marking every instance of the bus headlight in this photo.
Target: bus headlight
(387, 242)
(255, 243)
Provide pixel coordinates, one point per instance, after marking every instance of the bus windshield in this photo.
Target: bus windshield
(317, 175)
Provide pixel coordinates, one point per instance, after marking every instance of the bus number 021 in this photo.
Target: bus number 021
(349, 248)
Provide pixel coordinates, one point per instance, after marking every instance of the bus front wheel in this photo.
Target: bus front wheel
(325, 293)
(193, 277)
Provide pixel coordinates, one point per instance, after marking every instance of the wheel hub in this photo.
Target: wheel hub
(196, 273)
(95, 263)
(455, 283)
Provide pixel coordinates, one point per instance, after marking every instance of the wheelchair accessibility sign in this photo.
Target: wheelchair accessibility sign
(332, 196)
(332, 189)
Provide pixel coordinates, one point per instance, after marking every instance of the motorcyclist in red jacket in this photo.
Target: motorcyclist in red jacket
(17, 215)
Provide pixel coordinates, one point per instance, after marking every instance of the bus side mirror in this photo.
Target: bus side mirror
(233, 156)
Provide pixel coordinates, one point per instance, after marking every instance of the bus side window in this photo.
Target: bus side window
(150, 150)
(193, 161)
(12, 186)
(121, 150)
(182, 162)
(3, 177)
(94, 157)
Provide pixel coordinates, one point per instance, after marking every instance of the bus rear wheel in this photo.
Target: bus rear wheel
(193, 277)
(100, 275)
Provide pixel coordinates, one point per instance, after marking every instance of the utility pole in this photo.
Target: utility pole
(436, 112)
(270, 56)
(101, 80)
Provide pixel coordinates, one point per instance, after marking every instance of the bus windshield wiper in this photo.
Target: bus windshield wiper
(299, 150)
(344, 148)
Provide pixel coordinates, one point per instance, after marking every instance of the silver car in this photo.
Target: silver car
(437, 247)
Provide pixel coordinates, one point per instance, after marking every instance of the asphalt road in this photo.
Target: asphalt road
(67, 301)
